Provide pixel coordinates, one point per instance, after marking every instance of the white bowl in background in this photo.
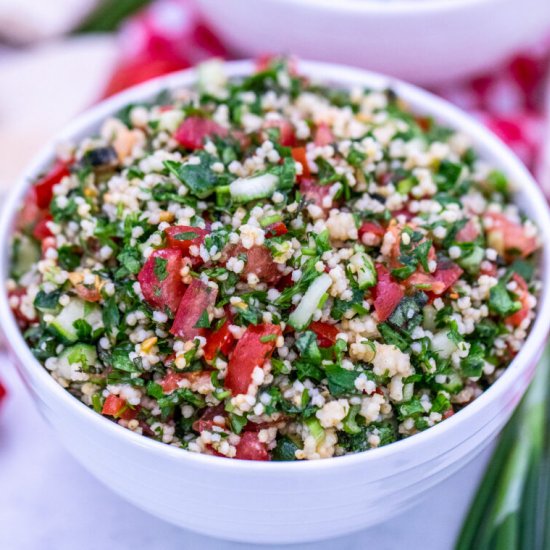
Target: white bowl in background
(422, 41)
(279, 502)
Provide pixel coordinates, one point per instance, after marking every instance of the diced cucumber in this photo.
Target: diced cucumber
(453, 384)
(64, 323)
(364, 270)
(315, 429)
(76, 359)
(301, 316)
(429, 314)
(257, 187)
(472, 261)
(26, 252)
(443, 345)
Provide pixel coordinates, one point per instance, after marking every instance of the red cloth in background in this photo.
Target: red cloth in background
(169, 35)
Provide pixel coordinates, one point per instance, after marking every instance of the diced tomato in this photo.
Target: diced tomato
(276, 230)
(30, 214)
(47, 243)
(387, 293)
(41, 230)
(198, 299)
(447, 274)
(118, 408)
(426, 282)
(264, 61)
(314, 192)
(206, 421)
(255, 346)
(299, 155)
(284, 282)
(194, 130)
(468, 233)
(89, 294)
(172, 379)
(448, 413)
(371, 233)
(251, 448)
(323, 135)
(17, 294)
(220, 340)
(522, 292)
(44, 186)
(184, 236)
(287, 136)
(489, 268)
(160, 279)
(259, 261)
(326, 333)
(508, 238)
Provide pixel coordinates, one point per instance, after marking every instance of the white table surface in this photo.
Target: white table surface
(49, 502)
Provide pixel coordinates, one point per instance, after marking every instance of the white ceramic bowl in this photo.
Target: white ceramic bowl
(421, 41)
(295, 501)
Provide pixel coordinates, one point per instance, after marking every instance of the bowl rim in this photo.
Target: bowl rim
(385, 7)
(420, 101)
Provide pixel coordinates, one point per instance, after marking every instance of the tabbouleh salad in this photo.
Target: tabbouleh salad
(266, 268)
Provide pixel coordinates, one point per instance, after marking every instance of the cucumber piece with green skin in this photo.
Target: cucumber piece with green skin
(26, 253)
(76, 359)
(257, 187)
(453, 384)
(63, 324)
(471, 263)
(365, 272)
(302, 315)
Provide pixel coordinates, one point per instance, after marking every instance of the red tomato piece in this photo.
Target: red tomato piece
(160, 279)
(88, 294)
(468, 233)
(15, 299)
(276, 230)
(118, 408)
(509, 238)
(259, 261)
(314, 192)
(193, 131)
(44, 186)
(30, 213)
(251, 448)
(206, 421)
(447, 274)
(424, 281)
(371, 233)
(326, 333)
(287, 137)
(522, 292)
(255, 346)
(184, 236)
(323, 135)
(299, 155)
(220, 340)
(387, 293)
(41, 230)
(172, 379)
(198, 298)
(47, 243)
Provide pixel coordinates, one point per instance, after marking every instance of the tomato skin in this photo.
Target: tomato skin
(249, 353)
(44, 186)
(323, 135)
(251, 448)
(41, 230)
(426, 282)
(219, 341)
(287, 137)
(118, 408)
(299, 155)
(193, 131)
(172, 379)
(88, 294)
(371, 233)
(314, 192)
(468, 233)
(166, 293)
(326, 333)
(197, 298)
(447, 274)
(206, 421)
(522, 293)
(30, 214)
(508, 238)
(387, 293)
(3, 393)
(184, 245)
(259, 261)
(276, 230)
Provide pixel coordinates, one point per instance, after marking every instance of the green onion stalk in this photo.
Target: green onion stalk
(510, 508)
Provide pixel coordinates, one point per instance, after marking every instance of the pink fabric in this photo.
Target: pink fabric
(169, 35)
